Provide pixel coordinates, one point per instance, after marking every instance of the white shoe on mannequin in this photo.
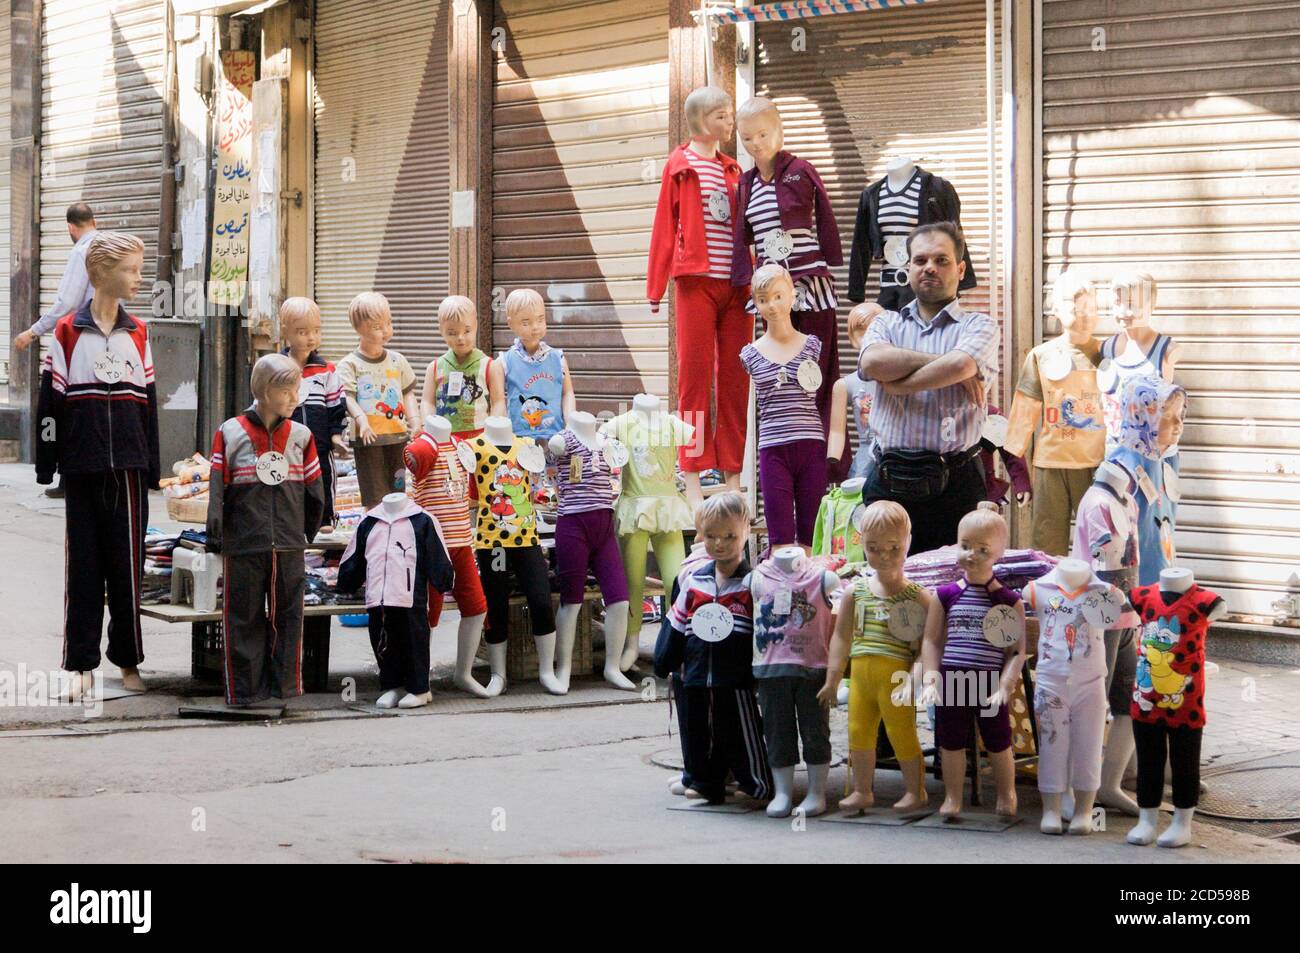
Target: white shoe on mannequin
(615, 645)
(1178, 833)
(389, 698)
(1051, 822)
(1119, 750)
(77, 685)
(415, 701)
(497, 663)
(468, 635)
(566, 633)
(1145, 831)
(546, 665)
(782, 802)
(815, 801)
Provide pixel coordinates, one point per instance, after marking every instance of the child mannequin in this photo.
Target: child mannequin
(456, 384)
(320, 399)
(851, 398)
(530, 382)
(791, 441)
(505, 540)
(792, 627)
(881, 646)
(379, 386)
(708, 639)
(99, 412)
(264, 506)
(397, 555)
(786, 215)
(1169, 700)
(973, 653)
(1074, 607)
(440, 484)
(650, 512)
(584, 538)
(1058, 404)
(691, 243)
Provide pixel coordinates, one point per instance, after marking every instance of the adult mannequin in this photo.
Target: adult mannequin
(905, 197)
(1168, 707)
(100, 432)
(585, 538)
(1057, 403)
(650, 512)
(506, 542)
(690, 244)
(440, 484)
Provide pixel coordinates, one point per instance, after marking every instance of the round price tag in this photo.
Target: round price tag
(1002, 626)
(1107, 376)
(465, 453)
(907, 621)
(778, 245)
(1056, 365)
(712, 622)
(616, 455)
(1102, 608)
(1173, 489)
(857, 516)
(110, 368)
(896, 251)
(995, 429)
(810, 375)
(272, 468)
(719, 206)
(531, 458)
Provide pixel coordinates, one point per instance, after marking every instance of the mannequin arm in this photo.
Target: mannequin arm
(364, 433)
(1023, 419)
(412, 421)
(885, 362)
(497, 389)
(841, 643)
(429, 394)
(838, 437)
(1015, 658)
(955, 367)
(567, 401)
(936, 623)
(1171, 361)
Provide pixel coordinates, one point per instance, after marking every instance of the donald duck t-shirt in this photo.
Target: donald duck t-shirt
(1169, 688)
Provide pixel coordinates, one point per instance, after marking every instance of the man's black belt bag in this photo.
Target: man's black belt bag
(910, 476)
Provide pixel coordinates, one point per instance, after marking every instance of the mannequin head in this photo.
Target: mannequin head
(936, 264)
(760, 129)
(458, 324)
(886, 536)
(1135, 299)
(773, 291)
(114, 262)
(709, 115)
(722, 522)
(860, 319)
(372, 320)
(1172, 413)
(275, 387)
(1074, 303)
(300, 327)
(1151, 415)
(526, 315)
(982, 538)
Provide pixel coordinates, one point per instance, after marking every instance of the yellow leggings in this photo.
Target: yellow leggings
(872, 679)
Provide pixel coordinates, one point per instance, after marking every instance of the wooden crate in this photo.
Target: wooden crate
(521, 647)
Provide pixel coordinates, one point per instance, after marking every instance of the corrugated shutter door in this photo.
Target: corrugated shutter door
(5, 78)
(857, 90)
(382, 202)
(1171, 143)
(101, 126)
(580, 136)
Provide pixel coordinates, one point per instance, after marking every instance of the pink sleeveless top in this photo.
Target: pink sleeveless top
(790, 639)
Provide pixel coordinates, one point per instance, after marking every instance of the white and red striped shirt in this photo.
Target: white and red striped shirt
(717, 233)
(441, 488)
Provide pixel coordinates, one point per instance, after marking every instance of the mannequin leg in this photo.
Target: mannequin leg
(809, 486)
(995, 731)
(814, 802)
(383, 637)
(697, 357)
(288, 583)
(124, 572)
(530, 570)
(1087, 727)
(468, 593)
(776, 480)
(497, 664)
(566, 628)
(86, 552)
(783, 797)
(607, 565)
(864, 723)
(1152, 750)
(669, 552)
(496, 590)
(738, 740)
(632, 547)
(1185, 758)
(469, 633)
(777, 703)
(735, 329)
(1053, 750)
(815, 734)
(954, 780)
(246, 628)
(1119, 750)
(900, 729)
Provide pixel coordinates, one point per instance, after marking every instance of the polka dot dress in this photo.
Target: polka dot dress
(506, 513)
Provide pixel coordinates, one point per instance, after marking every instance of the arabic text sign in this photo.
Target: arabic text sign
(233, 202)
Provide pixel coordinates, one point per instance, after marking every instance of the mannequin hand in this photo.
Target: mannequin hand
(974, 388)
(997, 700)
(365, 432)
(828, 691)
(929, 695)
(24, 340)
(340, 445)
(902, 695)
(1024, 497)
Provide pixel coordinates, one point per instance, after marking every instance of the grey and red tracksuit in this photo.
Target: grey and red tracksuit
(103, 438)
(398, 557)
(261, 531)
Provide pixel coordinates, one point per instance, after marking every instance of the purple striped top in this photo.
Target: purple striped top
(967, 604)
(786, 412)
(812, 292)
(593, 489)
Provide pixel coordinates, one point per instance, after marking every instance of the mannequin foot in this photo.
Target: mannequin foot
(1007, 805)
(466, 683)
(1179, 833)
(495, 686)
(552, 684)
(131, 680)
(1118, 800)
(1051, 823)
(1144, 833)
(631, 653)
(782, 802)
(79, 685)
(618, 679)
(909, 801)
(693, 795)
(1081, 825)
(951, 807)
(410, 700)
(676, 787)
(1067, 806)
(858, 801)
(389, 698)
(779, 806)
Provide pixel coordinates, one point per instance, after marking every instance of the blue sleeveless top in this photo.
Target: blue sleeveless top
(534, 391)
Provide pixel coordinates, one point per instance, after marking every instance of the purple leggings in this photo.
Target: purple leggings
(584, 540)
(792, 477)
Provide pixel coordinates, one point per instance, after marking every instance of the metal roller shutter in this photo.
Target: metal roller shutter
(381, 177)
(5, 77)
(857, 90)
(1171, 143)
(580, 137)
(102, 90)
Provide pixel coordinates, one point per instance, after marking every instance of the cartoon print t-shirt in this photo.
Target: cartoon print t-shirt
(1071, 623)
(378, 388)
(792, 621)
(1072, 432)
(1169, 687)
(461, 390)
(506, 515)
